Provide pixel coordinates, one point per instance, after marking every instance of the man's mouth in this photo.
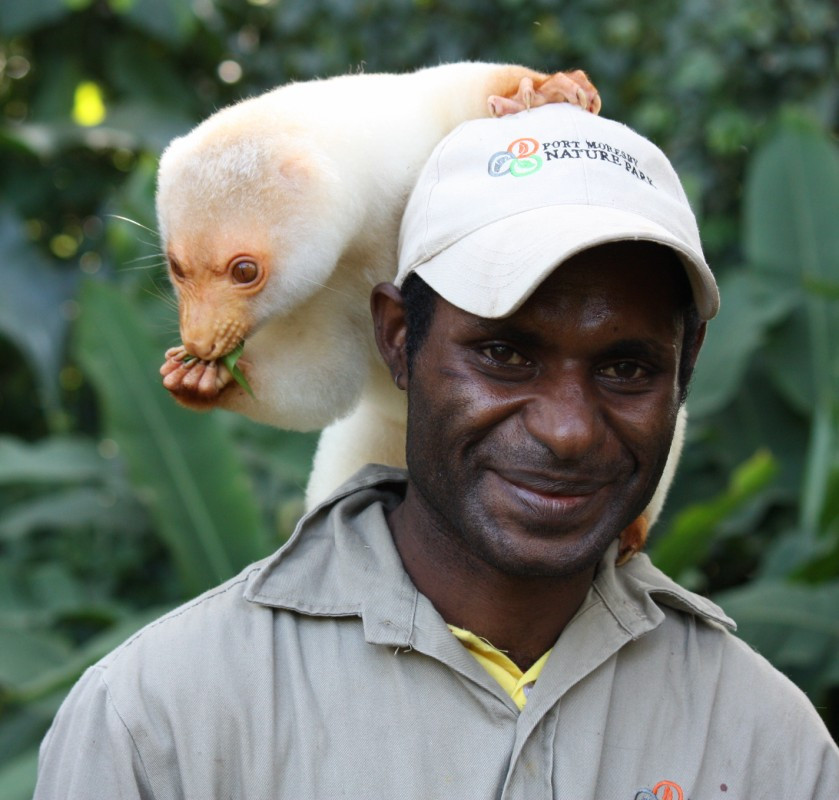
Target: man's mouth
(549, 493)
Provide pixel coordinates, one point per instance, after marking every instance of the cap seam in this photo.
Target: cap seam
(445, 245)
(437, 170)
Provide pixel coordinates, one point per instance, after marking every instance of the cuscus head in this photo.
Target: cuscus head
(502, 203)
(241, 205)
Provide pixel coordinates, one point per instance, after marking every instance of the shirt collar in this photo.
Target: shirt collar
(341, 561)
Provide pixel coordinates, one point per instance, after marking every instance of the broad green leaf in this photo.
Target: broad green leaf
(795, 626)
(751, 304)
(40, 595)
(757, 418)
(788, 369)
(791, 208)
(53, 587)
(23, 17)
(145, 125)
(24, 654)
(139, 77)
(22, 729)
(182, 463)
(74, 507)
(43, 683)
(170, 20)
(58, 459)
(17, 777)
(33, 291)
(12, 599)
(692, 533)
(792, 204)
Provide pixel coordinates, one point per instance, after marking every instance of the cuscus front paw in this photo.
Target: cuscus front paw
(193, 382)
(561, 87)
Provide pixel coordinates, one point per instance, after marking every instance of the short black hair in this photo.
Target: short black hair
(420, 299)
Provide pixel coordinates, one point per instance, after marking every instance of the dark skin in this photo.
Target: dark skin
(534, 440)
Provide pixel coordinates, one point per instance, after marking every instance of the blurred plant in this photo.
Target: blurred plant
(108, 510)
(769, 379)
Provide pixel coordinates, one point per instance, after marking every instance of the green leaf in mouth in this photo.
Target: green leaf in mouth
(230, 362)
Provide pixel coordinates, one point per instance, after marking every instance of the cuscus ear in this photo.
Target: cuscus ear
(388, 312)
(632, 539)
(298, 170)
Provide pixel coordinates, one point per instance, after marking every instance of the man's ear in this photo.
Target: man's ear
(388, 312)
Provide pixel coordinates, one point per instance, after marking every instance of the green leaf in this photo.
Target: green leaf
(24, 654)
(691, 535)
(23, 17)
(791, 208)
(40, 684)
(17, 777)
(183, 463)
(74, 507)
(792, 204)
(58, 459)
(795, 626)
(170, 20)
(33, 290)
(751, 305)
(230, 362)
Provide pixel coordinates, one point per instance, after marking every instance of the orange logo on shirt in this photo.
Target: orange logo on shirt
(663, 790)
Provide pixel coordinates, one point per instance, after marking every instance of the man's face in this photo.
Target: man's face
(535, 439)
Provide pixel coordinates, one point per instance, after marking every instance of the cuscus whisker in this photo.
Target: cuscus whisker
(330, 288)
(133, 222)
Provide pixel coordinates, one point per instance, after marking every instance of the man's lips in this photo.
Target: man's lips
(556, 494)
(551, 484)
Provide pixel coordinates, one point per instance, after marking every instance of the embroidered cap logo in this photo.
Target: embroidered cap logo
(519, 159)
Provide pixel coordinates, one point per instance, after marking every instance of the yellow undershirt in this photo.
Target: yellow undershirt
(513, 681)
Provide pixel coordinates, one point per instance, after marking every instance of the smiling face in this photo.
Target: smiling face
(535, 439)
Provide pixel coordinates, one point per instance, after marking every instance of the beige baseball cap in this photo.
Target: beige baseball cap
(502, 202)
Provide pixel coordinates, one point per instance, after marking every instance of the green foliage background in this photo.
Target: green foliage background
(108, 511)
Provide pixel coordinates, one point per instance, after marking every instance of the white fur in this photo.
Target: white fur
(319, 174)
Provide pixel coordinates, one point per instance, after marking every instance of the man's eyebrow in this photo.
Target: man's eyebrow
(637, 348)
(505, 328)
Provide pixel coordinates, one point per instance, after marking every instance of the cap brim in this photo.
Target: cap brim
(493, 270)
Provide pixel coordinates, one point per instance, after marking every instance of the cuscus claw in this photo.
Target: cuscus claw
(561, 87)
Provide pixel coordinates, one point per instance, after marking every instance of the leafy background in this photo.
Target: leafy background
(108, 512)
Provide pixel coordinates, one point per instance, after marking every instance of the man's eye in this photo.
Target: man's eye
(624, 371)
(504, 354)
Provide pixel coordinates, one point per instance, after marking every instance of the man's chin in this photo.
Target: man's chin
(557, 551)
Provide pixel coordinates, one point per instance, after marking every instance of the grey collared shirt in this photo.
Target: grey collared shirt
(321, 673)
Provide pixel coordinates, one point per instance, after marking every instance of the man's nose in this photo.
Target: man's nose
(565, 417)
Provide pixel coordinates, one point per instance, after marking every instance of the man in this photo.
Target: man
(465, 630)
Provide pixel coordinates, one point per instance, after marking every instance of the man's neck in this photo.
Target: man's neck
(522, 615)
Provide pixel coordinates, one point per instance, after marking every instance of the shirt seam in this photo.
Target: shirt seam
(184, 609)
(113, 705)
(613, 611)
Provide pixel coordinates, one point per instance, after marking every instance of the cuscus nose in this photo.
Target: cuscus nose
(203, 347)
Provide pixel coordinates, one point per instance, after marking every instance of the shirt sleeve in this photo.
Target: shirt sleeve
(814, 757)
(789, 751)
(88, 751)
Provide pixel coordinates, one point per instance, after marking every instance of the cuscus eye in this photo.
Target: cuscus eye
(244, 271)
(177, 271)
